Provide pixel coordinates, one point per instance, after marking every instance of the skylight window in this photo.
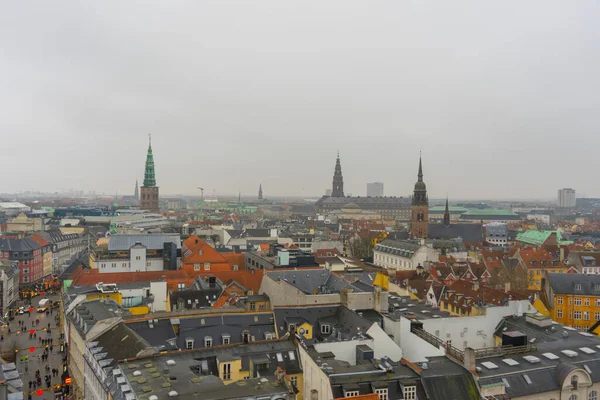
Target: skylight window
(505, 382)
(569, 353)
(279, 357)
(550, 356)
(532, 359)
(510, 362)
(527, 379)
(587, 350)
(489, 365)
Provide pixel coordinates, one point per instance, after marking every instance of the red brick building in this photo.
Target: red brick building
(29, 256)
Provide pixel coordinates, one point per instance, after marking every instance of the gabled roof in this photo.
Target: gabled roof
(587, 285)
(249, 279)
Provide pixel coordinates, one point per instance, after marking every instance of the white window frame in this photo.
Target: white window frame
(196, 267)
(208, 341)
(226, 369)
(207, 266)
(353, 393)
(559, 300)
(577, 301)
(559, 313)
(383, 393)
(409, 392)
(325, 329)
(189, 344)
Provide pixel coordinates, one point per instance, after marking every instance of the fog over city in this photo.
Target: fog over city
(502, 98)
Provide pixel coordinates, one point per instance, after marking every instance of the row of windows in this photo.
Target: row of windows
(578, 301)
(206, 267)
(577, 315)
(409, 393)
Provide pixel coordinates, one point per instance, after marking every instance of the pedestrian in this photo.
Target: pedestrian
(34, 335)
(1, 338)
(48, 325)
(30, 384)
(26, 368)
(40, 339)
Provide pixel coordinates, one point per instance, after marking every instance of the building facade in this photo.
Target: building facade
(420, 208)
(149, 191)
(575, 299)
(388, 207)
(374, 189)
(28, 256)
(9, 285)
(566, 198)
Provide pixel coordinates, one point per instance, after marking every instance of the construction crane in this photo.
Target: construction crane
(202, 191)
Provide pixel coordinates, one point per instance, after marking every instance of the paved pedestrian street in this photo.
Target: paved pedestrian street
(38, 339)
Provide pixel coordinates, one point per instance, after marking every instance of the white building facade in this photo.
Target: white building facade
(566, 198)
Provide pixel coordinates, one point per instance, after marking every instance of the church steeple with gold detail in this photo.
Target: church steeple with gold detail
(149, 190)
(419, 225)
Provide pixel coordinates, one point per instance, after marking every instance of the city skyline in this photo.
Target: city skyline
(227, 99)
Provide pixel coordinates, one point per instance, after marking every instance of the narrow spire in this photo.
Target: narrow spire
(260, 192)
(149, 175)
(447, 214)
(420, 169)
(337, 189)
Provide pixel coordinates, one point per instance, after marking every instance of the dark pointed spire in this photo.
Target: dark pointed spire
(338, 180)
(447, 214)
(420, 192)
(260, 193)
(149, 177)
(420, 175)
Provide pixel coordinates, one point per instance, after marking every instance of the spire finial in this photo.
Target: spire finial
(420, 168)
(149, 140)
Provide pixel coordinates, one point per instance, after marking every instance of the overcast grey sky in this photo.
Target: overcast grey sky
(502, 97)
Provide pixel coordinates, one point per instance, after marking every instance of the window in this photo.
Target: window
(559, 314)
(208, 341)
(207, 266)
(124, 265)
(189, 344)
(559, 300)
(252, 306)
(593, 395)
(573, 397)
(578, 286)
(577, 301)
(196, 267)
(383, 393)
(294, 380)
(226, 339)
(577, 314)
(352, 393)
(325, 329)
(586, 301)
(586, 316)
(138, 258)
(226, 368)
(409, 392)
(597, 316)
(114, 265)
(597, 287)
(25, 270)
(292, 355)
(180, 286)
(570, 300)
(200, 252)
(279, 357)
(598, 302)
(574, 381)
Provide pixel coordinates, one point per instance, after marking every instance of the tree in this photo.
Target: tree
(361, 247)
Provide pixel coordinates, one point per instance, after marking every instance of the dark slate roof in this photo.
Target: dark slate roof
(469, 233)
(446, 380)
(562, 371)
(256, 233)
(235, 233)
(120, 342)
(215, 326)
(398, 235)
(194, 299)
(566, 284)
(320, 280)
(26, 244)
(345, 321)
(405, 248)
(157, 333)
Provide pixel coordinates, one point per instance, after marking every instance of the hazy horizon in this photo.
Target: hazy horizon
(500, 97)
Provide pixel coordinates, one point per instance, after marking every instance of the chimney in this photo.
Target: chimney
(562, 254)
(475, 285)
(470, 359)
(506, 287)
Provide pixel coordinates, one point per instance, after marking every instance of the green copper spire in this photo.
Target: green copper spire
(149, 178)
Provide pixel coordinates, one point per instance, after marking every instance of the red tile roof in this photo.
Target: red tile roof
(250, 279)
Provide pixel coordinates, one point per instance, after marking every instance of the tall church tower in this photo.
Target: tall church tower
(420, 208)
(338, 180)
(260, 194)
(447, 214)
(149, 198)
(136, 192)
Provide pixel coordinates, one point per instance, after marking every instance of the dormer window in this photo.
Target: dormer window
(597, 287)
(189, 343)
(208, 341)
(326, 329)
(534, 263)
(574, 381)
(578, 286)
(200, 252)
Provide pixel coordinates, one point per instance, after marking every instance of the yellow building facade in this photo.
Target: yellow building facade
(578, 311)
